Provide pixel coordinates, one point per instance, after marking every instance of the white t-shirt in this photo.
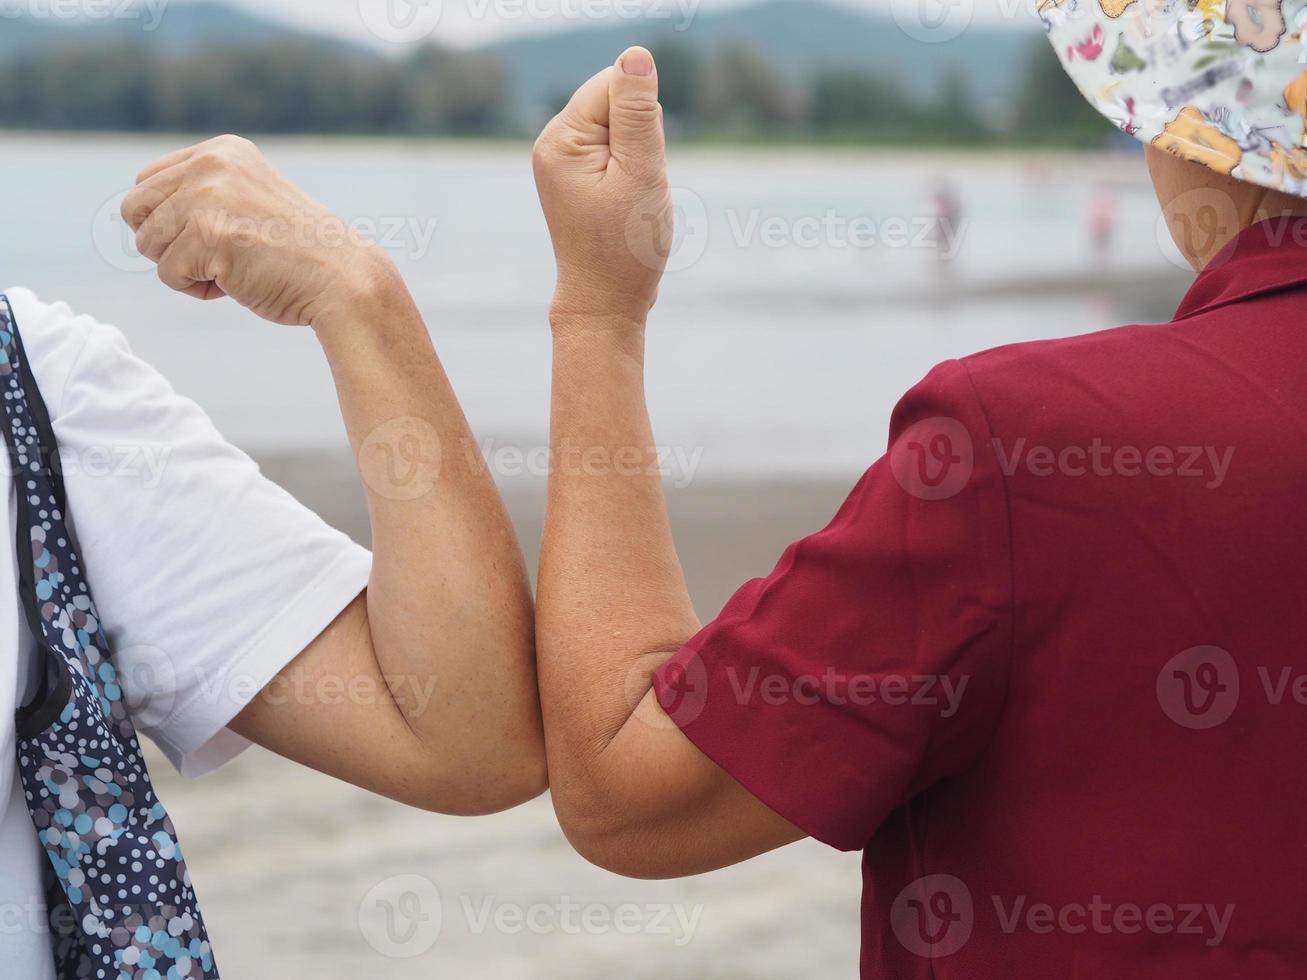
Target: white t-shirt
(209, 578)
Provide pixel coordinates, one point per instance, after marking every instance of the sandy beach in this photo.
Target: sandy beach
(297, 872)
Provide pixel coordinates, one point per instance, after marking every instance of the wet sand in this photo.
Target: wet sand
(288, 862)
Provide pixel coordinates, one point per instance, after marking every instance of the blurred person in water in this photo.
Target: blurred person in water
(1100, 221)
(230, 614)
(1039, 669)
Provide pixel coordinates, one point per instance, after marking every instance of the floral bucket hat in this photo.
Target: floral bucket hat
(1219, 82)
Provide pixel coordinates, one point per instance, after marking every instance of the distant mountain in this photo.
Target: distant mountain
(801, 37)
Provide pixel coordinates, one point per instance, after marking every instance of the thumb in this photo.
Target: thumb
(635, 117)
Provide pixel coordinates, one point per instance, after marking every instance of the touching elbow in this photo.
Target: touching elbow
(487, 776)
(484, 789)
(616, 839)
(522, 783)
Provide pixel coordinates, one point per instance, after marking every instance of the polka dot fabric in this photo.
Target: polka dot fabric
(121, 902)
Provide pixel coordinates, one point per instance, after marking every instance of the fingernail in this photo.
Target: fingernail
(638, 62)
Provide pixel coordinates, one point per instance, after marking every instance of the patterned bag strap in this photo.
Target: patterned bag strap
(123, 905)
(29, 440)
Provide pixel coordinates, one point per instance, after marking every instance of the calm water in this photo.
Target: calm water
(783, 338)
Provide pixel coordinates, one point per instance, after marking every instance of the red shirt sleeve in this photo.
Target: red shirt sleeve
(873, 661)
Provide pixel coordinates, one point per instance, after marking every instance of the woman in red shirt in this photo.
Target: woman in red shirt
(1041, 667)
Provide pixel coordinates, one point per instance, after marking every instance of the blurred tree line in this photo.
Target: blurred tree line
(731, 93)
(281, 88)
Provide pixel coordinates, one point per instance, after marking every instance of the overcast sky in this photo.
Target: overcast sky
(471, 21)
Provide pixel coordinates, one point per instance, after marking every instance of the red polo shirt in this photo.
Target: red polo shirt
(1046, 668)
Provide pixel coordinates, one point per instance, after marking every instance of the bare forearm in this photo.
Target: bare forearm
(448, 602)
(612, 601)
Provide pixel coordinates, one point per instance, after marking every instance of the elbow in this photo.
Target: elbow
(524, 778)
(507, 790)
(472, 770)
(619, 840)
(482, 787)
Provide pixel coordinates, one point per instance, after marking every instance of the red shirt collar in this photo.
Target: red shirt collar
(1269, 256)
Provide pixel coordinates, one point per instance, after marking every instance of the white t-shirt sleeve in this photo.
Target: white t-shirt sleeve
(209, 578)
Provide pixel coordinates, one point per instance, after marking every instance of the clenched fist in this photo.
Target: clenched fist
(221, 221)
(601, 170)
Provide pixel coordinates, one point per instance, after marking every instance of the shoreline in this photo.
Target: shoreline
(997, 151)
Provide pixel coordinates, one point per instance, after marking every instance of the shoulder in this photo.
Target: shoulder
(1050, 377)
(55, 338)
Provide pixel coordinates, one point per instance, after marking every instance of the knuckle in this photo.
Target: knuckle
(639, 106)
(172, 278)
(208, 162)
(128, 210)
(545, 150)
(230, 141)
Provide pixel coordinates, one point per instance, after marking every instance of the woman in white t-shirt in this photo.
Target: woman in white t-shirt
(235, 614)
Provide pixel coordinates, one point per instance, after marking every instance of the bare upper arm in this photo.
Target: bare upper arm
(663, 809)
(332, 709)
